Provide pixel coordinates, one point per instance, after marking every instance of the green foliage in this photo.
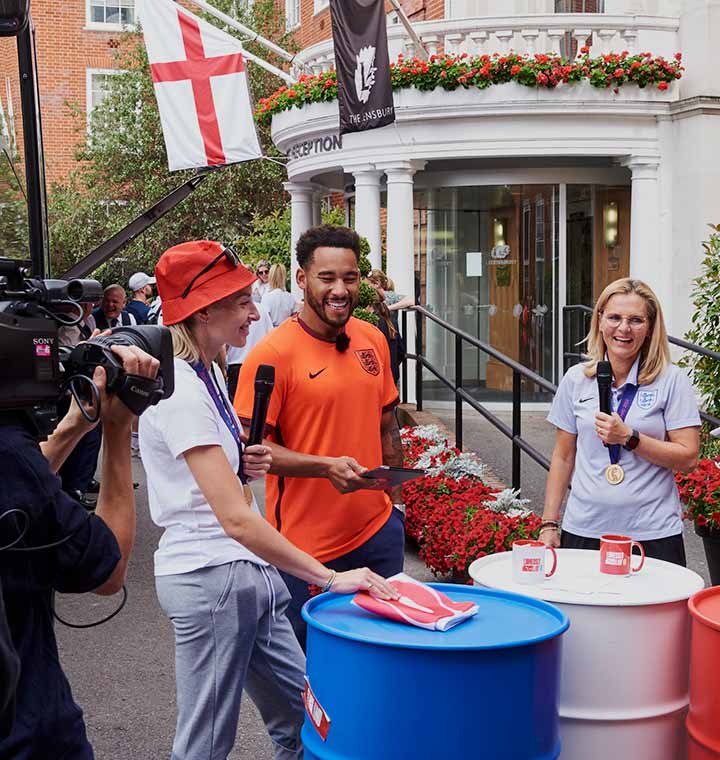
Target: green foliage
(269, 239)
(123, 171)
(705, 331)
(367, 316)
(367, 295)
(364, 262)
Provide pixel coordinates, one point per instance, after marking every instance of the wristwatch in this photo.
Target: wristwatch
(632, 441)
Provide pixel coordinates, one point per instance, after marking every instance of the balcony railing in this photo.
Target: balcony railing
(542, 33)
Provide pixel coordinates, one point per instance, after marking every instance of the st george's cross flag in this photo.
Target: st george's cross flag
(201, 86)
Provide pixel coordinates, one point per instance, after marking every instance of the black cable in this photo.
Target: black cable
(42, 547)
(22, 532)
(11, 547)
(89, 625)
(94, 392)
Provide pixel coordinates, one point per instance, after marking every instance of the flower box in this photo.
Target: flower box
(452, 514)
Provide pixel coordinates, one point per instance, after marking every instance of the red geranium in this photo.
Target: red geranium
(700, 491)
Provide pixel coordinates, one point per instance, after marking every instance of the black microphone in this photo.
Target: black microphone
(264, 383)
(604, 381)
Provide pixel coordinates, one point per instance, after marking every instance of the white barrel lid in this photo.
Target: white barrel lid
(578, 580)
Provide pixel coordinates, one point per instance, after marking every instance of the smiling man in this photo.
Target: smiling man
(331, 418)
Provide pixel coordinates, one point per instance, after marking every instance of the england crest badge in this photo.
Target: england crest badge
(647, 399)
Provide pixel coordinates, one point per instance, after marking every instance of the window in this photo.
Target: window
(98, 86)
(115, 13)
(320, 5)
(569, 46)
(292, 14)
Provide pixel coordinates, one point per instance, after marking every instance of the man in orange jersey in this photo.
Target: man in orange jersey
(331, 418)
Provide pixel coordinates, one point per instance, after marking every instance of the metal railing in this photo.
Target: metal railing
(461, 395)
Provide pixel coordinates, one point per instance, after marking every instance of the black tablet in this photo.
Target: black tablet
(394, 475)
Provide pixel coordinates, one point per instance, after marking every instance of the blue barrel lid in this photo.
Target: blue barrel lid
(503, 620)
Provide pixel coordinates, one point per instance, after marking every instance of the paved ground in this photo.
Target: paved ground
(122, 673)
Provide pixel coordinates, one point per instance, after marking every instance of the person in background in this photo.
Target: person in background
(78, 470)
(236, 355)
(155, 314)
(278, 303)
(386, 289)
(331, 418)
(622, 464)
(387, 324)
(213, 574)
(260, 286)
(111, 312)
(141, 287)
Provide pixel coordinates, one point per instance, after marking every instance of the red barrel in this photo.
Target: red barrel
(703, 721)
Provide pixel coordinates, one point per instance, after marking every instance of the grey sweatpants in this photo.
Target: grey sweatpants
(231, 633)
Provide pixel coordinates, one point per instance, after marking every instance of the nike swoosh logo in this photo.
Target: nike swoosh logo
(583, 400)
(313, 375)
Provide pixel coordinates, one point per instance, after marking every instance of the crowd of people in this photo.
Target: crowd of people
(232, 582)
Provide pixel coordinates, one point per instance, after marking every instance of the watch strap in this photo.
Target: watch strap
(632, 441)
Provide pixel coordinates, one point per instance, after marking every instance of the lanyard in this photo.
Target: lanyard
(626, 400)
(223, 409)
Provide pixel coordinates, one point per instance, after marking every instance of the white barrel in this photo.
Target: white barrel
(625, 663)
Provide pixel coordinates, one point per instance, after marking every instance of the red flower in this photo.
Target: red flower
(678, 56)
(291, 93)
(585, 49)
(443, 74)
(619, 73)
(662, 86)
(515, 70)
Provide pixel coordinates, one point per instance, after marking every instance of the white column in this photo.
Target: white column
(301, 207)
(645, 249)
(318, 195)
(400, 237)
(367, 209)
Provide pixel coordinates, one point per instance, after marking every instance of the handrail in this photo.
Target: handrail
(513, 432)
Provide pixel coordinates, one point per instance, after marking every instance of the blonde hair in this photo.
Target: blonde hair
(184, 345)
(655, 350)
(379, 278)
(277, 277)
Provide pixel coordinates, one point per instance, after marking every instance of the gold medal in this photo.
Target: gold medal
(614, 474)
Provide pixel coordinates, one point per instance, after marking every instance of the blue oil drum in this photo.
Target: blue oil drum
(486, 689)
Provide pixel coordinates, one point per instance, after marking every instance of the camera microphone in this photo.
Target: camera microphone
(604, 381)
(264, 383)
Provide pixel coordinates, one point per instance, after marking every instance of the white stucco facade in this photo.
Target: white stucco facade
(663, 148)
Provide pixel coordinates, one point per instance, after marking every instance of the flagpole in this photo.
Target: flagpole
(268, 66)
(422, 50)
(254, 36)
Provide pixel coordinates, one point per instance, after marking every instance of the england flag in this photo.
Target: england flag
(201, 86)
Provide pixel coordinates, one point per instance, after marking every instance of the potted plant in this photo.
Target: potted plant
(700, 492)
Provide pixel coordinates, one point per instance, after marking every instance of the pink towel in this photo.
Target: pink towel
(419, 605)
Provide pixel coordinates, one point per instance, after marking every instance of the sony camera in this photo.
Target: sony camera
(35, 372)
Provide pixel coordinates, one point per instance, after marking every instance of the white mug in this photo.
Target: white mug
(528, 561)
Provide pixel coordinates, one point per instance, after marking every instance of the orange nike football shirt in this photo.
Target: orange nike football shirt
(325, 403)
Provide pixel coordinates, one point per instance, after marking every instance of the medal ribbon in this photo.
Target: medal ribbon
(223, 409)
(626, 400)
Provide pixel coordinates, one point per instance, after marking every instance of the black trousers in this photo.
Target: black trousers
(79, 468)
(670, 549)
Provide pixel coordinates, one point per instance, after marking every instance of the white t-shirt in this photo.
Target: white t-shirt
(258, 290)
(258, 330)
(646, 504)
(193, 537)
(279, 305)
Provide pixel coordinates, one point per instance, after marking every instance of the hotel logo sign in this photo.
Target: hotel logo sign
(314, 147)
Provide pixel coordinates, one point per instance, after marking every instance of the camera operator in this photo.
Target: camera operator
(9, 674)
(88, 553)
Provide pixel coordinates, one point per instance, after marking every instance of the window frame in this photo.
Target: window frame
(89, 74)
(104, 26)
(319, 6)
(296, 6)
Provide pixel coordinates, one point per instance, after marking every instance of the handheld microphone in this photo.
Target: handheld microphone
(264, 383)
(604, 381)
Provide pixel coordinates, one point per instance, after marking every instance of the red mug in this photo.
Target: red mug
(616, 555)
(528, 561)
